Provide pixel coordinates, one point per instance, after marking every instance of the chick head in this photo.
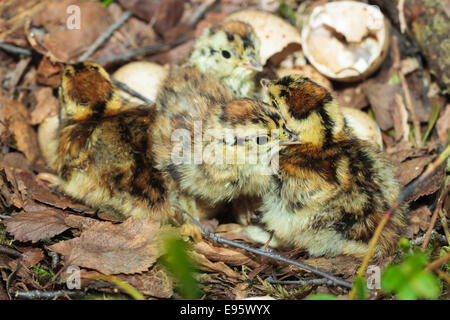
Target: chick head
(229, 49)
(87, 92)
(308, 108)
(250, 133)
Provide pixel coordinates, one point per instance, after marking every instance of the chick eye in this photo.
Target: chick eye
(226, 54)
(83, 103)
(262, 140)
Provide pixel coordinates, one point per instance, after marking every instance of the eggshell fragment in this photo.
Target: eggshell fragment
(274, 33)
(308, 72)
(363, 126)
(48, 142)
(142, 76)
(346, 40)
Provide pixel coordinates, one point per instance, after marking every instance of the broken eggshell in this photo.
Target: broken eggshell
(48, 142)
(346, 40)
(363, 126)
(142, 76)
(277, 36)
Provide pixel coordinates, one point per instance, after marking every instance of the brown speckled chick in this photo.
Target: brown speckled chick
(103, 155)
(198, 117)
(332, 189)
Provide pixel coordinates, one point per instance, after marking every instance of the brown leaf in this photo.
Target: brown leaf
(229, 256)
(155, 282)
(345, 266)
(411, 169)
(46, 105)
(66, 43)
(419, 220)
(351, 96)
(128, 247)
(31, 256)
(164, 14)
(37, 225)
(48, 73)
(430, 186)
(206, 265)
(443, 125)
(15, 115)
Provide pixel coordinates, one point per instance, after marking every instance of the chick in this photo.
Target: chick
(230, 51)
(104, 147)
(332, 189)
(201, 133)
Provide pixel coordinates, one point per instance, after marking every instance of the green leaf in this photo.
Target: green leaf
(426, 285)
(394, 79)
(361, 288)
(409, 280)
(323, 296)
(177, 261)
(106, 3)
(287, 12)
(431, 122)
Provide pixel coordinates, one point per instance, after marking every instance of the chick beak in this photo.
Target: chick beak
(288, 139)
(265, 83)
(253, 65)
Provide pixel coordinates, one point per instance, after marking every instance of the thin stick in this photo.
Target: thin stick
(433, 219)
(142, 51)
(134, 93)
(16, 254)
(402, 197)
(15, 49)
(406, 92)
(104, 36)
(269, 254)
(445, 225)
(200, 11)
(315, 282)
(37, 294)
(437, 263)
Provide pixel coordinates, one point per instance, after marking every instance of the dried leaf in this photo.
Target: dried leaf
(31, 256)
(46, 106)
(128, 247)
(443, 125)
(38, 225)
(419, 220)
(155, 282)
(206, 265)
(229, 256)
(15, 115)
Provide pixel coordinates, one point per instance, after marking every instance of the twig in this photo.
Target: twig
(406, 92)
(134, 93)
(437, 263)
(104, 36)
(18, 72)
(15, 49)
(200, 11)
(402, 197)
(443, 275)
(267, 253)
(314, 282)
(11, 252)
(143, 51)
(433, 219)
(445, 225)
(37, 294)
(401, 15)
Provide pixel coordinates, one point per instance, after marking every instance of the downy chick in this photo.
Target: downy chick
(197, 129)
(230, 51)
(332, 189)
(104, 147)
